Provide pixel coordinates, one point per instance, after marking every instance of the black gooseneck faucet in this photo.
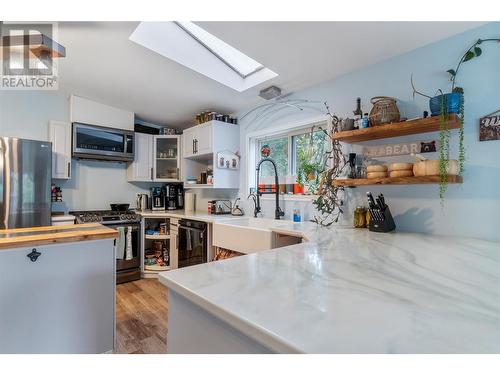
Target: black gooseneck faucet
(277, 212)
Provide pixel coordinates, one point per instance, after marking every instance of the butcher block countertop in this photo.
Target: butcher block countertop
(36, 236)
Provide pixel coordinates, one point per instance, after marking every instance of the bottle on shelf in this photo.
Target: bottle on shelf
(358, 114)
(365, 122)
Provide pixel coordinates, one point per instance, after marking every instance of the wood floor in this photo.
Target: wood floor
(141, 317)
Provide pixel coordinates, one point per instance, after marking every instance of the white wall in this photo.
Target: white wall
(471, 209)
(94, 184)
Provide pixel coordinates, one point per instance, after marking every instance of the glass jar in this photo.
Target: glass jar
(360, 217)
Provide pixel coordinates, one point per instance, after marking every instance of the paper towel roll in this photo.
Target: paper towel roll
(190, 202)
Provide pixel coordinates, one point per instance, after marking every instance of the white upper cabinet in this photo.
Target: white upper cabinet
(198, 140)
(156, 158)
(60, 136)
(141, 169)
(87, 111)
(202, 143)
(188, 142)
(204, 139)
(167, 158)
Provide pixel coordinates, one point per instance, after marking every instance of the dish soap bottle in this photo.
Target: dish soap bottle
(296, 213)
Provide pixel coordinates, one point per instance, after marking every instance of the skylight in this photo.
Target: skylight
(236, 60)
(190, 45)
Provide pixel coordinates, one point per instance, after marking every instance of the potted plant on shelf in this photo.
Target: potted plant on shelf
(446, 103)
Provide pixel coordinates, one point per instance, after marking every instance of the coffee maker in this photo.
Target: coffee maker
(174, 196)
(157, 199)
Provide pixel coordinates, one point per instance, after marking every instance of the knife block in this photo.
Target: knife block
(386, 224)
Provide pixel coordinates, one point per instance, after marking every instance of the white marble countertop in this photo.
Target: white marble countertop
(354, 291)
(182, 214)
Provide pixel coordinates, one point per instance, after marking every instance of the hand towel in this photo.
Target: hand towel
(128, 252)
(120, 243)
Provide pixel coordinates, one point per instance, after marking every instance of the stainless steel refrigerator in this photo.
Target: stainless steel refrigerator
(25, 183)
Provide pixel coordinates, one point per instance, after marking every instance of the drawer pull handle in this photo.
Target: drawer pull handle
(34, 255)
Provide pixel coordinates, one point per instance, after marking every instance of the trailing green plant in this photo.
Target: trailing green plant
(474, 51)
(444, 150)
(444, 134)
(461, 146)
(329, 203)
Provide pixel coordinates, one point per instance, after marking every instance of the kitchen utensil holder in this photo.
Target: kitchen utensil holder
(381, 220)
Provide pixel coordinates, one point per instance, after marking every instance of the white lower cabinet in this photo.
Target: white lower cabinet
(64, 302)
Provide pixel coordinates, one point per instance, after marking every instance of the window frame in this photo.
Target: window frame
(290, 130)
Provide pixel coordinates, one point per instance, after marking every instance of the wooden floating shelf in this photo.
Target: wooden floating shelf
(399, 129)
(396, 181)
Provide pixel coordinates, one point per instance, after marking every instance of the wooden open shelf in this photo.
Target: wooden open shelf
(396, 181)
(399, 129)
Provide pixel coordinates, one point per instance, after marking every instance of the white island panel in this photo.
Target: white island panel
(64, 302)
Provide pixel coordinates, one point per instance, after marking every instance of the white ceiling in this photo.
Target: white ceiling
(104, 65)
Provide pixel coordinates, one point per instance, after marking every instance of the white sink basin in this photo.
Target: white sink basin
(245, 235)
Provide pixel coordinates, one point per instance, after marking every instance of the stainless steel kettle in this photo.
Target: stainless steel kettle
(142, 203)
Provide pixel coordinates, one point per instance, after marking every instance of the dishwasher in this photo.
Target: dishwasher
(192, 242)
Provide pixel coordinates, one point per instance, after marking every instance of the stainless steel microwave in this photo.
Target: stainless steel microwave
(102, 143)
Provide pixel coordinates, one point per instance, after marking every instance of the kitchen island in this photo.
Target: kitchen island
(341, 291)
(57, 289)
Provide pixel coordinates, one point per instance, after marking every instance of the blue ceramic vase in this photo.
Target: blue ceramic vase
(451, 103)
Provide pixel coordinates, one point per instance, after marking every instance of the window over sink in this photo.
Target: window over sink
(289, 149)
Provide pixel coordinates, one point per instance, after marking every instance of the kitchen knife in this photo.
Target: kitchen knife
(380, 204)
(382, 199)
(371, 202)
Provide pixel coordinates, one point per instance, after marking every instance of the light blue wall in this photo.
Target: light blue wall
(471, 209)
(26, 114)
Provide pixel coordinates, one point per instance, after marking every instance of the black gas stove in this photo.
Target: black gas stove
(126, 269)
(106, 217)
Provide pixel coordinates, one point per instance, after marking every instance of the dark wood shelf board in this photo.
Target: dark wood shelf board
(396, 181)
(399, 129)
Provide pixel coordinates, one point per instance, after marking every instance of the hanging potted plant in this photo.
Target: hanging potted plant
(446, 103)
(329, 201)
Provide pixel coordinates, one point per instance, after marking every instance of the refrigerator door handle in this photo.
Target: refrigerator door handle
(3, 195)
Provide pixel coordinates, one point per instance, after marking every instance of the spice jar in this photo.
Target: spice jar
(360, 217)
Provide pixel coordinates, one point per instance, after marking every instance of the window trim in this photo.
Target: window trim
(222, 59)
(289, 129)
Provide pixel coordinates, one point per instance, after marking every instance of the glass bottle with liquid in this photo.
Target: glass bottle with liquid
(358, 114)
(296, 213)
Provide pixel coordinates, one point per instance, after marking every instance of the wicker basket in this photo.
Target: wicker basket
(384, 111)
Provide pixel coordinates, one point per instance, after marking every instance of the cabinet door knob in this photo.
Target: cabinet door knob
(34, 255)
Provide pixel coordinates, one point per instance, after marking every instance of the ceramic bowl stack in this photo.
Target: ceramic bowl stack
(376, 171)
(401, 170)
